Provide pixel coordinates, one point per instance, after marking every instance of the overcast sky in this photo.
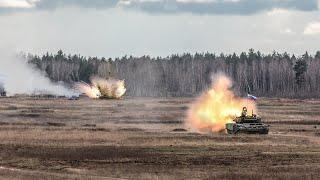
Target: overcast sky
(112, 28)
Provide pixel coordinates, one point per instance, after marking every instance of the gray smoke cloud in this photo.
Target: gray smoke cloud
(18, 77)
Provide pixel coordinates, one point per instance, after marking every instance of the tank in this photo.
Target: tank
(247, 124)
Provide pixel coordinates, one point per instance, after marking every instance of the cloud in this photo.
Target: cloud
(223, 7)
(9, 6)
(312, 28)
(16, 4)
(277, 12)
(53, 4)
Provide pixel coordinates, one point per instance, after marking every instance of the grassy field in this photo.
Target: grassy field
(145, 138)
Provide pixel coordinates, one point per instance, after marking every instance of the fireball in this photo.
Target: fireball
(216, 107)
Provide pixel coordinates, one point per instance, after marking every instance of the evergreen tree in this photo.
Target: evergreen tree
(300, 68)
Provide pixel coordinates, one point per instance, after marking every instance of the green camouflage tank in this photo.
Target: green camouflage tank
(247, 124)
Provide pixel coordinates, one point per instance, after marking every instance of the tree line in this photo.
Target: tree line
(269, 75)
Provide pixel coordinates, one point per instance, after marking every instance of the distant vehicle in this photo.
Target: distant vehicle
(73, 98)
(247, 124)
(3, 93)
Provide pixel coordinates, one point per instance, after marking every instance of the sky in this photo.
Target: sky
(114, 28)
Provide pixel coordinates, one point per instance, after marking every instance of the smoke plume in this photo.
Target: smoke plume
(102, 88)
(21, 78)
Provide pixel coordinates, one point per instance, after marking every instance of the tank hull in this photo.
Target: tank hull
(250, 128)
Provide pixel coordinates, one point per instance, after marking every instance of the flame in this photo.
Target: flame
(216, 107)
(103, 88)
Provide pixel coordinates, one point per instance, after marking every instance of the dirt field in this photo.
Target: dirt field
(144, 138)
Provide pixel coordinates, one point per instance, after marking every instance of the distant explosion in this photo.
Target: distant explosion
(216, 107)
(102, 88)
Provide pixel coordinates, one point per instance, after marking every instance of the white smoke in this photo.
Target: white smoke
(18, 77)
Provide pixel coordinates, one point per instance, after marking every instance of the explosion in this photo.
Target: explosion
(216, 107)
(103, 88)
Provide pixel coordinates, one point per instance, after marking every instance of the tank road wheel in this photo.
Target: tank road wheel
(265, 131)
(236, 131)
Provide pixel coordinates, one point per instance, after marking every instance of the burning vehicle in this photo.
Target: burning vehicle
(247, 124)
(102, 88)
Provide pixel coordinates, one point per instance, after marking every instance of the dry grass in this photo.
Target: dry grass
(145, 138)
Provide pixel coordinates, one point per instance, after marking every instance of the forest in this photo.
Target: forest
(180, 75)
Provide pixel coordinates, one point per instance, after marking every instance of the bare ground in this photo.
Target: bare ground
(146, 138)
